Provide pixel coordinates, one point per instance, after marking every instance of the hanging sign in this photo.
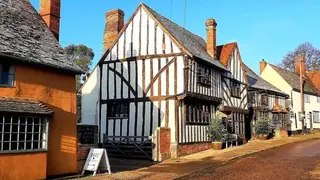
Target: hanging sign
(97, 160)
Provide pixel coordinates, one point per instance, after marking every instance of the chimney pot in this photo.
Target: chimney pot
(211, 25)
(50, 13)
(114, 24)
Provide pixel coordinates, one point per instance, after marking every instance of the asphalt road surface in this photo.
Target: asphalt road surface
(290, 162)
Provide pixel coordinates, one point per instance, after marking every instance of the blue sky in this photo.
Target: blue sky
(263, 29)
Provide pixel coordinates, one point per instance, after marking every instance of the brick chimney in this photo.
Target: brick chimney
(114, 24)
(263, 65)
(211, 37)
(297, 65)
(50, 13)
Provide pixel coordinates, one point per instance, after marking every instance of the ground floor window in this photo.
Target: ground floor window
(316, 117)
(198, 113)
(118, 110)
(23, 133)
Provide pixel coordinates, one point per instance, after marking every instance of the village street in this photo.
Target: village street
(293, 161)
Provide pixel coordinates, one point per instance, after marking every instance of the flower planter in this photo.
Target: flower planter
(216, 145)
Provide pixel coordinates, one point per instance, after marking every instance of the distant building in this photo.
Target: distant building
(37, 94)
(267, 101)
(289, 83)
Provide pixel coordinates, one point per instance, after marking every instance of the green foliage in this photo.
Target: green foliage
(82, 56)
(263, 126)
(217, 132)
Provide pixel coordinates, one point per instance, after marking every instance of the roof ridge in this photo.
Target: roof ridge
(171, 20)
(234, 42)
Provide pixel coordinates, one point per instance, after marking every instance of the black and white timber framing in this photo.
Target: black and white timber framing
(147, 68)
(235, 100)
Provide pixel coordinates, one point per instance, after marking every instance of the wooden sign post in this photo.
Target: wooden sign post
(97, 160)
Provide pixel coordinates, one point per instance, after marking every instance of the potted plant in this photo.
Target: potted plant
(263, 128)
(217, 133)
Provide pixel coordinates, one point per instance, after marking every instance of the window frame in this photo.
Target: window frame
(235, 88)
(11, 73)
(318, 99)
(203, 75)
(306, 98)
(113, 114)
(192, 110)
(313, 116)
(22, 130)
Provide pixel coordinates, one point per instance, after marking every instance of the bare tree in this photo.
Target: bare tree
(311, 53)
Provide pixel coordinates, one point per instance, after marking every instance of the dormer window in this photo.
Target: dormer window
(203, 75)
(6, 74)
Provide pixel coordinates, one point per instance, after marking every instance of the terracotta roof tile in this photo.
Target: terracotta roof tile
(314, 78)
(23, 105)
(224, 52)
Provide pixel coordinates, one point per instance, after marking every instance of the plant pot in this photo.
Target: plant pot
(263, 137)
(216, 145)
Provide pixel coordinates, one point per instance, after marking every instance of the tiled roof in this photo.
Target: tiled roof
(224, 52)
(314, 78)
(21, 105)
(191, 42)
(293, 79)
(25, 35)
(278, 108)
(257, 82)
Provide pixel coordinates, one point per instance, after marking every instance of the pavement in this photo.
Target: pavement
(186, 165)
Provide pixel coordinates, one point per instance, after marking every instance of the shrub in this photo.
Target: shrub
(217, 132)
(263, 126)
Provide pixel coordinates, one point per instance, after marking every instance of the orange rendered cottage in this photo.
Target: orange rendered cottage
(37, 94)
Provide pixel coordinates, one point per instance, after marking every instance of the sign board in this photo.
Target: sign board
(97, 160)
(87, 134)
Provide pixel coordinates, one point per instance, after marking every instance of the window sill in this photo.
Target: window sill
(23, 151)
(197, 123)
(6, 86)
(238, 97)
(113, 118)
(204, 84)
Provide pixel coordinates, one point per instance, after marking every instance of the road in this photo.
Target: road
(290, 162)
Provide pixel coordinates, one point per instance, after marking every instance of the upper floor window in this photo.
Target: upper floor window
(264, 99)
(235, 89)
(6, 74)
(306, 98)
(118, 110)
(318, 99)
(276, 100)
(203, 75)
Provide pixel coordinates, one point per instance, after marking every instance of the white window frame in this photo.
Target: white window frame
(23, 134)
(306, 98)
(316, 116)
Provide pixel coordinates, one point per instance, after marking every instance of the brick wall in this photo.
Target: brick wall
(185, 149)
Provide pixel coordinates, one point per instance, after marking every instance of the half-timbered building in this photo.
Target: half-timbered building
(154, 75)
(267, 101)
(234, 90)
